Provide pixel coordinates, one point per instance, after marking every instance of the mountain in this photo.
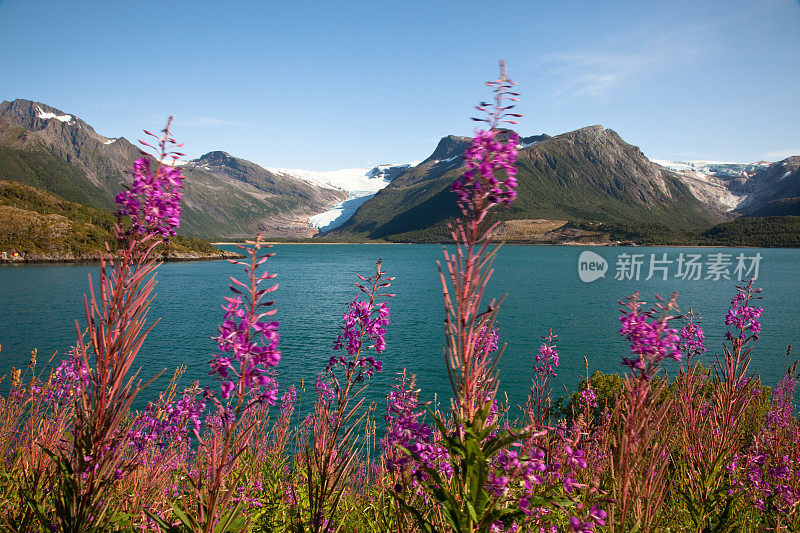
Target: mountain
(225, 197)
(235, 198)
(752, 189)
(590, 174)
(44, 147)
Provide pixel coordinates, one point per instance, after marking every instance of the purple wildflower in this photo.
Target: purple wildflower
(487, 342)
(692, 337)
(547, 358)
(248, 347)
(480, 185)
(363, 322)
(404, 426)
(153, 200)
(70, 377)
(651, 340)
(743, 316)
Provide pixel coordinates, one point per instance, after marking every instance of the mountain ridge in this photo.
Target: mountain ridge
(592, 165)
(586, 176)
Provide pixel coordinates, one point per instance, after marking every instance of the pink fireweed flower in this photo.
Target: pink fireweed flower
(364, 322)
(160, 424)
(587, 397)
(692, 337)
(69, 379)
(547, 358)
(248, 346)
(491, 176)
(743, 316)
(651, 340)
(575, 457)
(152, 201)
(487, 342)
(485, 160)
(405, 427)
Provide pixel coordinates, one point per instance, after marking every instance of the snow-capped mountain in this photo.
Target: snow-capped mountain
(717, 169)
(361, 184)
(717, 183)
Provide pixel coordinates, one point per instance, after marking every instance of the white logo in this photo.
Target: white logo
(591, 266)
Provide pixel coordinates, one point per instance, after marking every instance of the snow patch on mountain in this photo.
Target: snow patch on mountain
(45, 116)
(367, 180)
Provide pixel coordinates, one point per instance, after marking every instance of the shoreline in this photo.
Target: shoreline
(180, 258)
(572, 244)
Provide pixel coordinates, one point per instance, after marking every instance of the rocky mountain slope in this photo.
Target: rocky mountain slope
(774, 190)
(754, 189)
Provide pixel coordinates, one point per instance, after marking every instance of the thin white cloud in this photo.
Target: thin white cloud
(781, 154)
(616, 66)
(209, 121)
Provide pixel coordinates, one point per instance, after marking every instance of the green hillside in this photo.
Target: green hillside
(35, 222)
(42, 169)
(777, 231)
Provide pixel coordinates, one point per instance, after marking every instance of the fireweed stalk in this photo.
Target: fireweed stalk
(486, 478)
(641, 437)
(248, 350)
(409, 447)
(469, 499)
(33, 420)
(467, 271)
(538, 405)
(767, 473)
(330, 455)
(116, 329)
(713, 428)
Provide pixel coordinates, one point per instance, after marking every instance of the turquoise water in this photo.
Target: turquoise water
(39, 305)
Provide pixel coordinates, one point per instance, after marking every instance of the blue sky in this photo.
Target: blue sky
(327, 85)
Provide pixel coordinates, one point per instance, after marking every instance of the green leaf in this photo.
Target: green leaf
(190, 523)
(160, 522)
(472, 514)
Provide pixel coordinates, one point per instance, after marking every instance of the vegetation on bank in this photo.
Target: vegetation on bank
(35, 222)
(766, 232)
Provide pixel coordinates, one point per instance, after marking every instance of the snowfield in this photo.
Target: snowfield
(707, 179)
(361, 184)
